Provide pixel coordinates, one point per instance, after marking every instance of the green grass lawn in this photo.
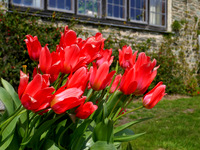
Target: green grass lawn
(175, 125)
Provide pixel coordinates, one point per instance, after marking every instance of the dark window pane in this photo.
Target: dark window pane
(122, 15)
(52, 3)
(138, 14)
(145, 19)
(68, 5)
(17, 1)
(116, 2)
(163, 20)
(163, 7)
(138, 3)
(28, 2)
(142, 3)
(116, 11)
(61, 4)
(133, 14)
(110, 10)
(109, 1)
(122, 2)
(133, 2)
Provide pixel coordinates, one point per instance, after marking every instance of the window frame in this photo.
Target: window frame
(26, 6)
(115, 18)
(159, 13)
(147, 14)
(61, 10)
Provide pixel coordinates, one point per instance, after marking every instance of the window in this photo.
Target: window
(89, 8)
(61, 5)
(158, 12)
(148, 14)
(29, 3)
(116, 9)
(138, 10)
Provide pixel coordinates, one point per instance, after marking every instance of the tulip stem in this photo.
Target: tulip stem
(115, 106)
(128, 112)
(90, 96)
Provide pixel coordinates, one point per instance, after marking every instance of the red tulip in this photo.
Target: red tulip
(90, 52)
(126, 58)
(137, 79)
(115, 83)
(145, 72)
(49, 63)
(91, 47)
(37, 94)
(67, 99)
(105, 56)
(70, 59)
(96, 40)
(128, 84)
(85, 110)
(34, 47)
(79, 79)
(100, 78)
(23, 83)
(154, 96)
(68, 38)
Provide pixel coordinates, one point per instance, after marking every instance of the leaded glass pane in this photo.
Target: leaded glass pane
(158, 12)
(116, 9)
(29, 3)
(89, 7)
(138, 10)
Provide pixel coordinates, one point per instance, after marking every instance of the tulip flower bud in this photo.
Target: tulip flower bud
(154, 96)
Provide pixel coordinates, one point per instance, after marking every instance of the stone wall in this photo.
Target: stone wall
(188, 11)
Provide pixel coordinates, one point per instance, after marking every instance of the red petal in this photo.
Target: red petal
(34, 86)
(23, 83)
(68, 93)
(45, 59)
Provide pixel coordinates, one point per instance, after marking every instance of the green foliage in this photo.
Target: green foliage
(176, 26)
(13, 54)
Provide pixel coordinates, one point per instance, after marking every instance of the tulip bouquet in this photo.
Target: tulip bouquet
(73, 100)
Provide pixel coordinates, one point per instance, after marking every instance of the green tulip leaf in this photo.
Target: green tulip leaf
(50, 145)
(9, 88)
(127, 125)
(78, 137)
(7, 133)
(127, 138)
(102, 145)
(103, 132)
(40, 130)
(124, 132)
(7, 101)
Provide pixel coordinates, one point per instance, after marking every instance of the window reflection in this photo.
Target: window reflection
(29, 3)
(89, 7)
